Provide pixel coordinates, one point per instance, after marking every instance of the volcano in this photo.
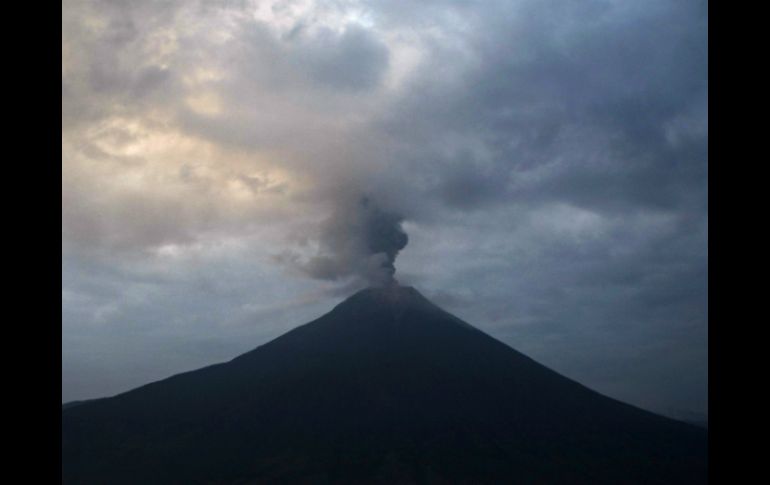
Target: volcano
(386, 388)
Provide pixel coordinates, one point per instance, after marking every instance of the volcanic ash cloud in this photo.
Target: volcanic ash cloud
(360, 240)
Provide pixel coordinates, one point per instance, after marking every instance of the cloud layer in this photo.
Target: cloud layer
(548, 160)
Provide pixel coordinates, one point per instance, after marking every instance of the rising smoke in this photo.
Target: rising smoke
(360, 240)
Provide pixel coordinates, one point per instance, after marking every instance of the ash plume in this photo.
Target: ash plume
(359, 240)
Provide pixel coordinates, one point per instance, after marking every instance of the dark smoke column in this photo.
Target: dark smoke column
(359, 242)
(383, 235)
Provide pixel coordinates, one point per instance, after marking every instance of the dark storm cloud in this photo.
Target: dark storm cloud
(590, 111)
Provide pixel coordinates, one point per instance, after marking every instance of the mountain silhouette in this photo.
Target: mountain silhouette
(385, 388)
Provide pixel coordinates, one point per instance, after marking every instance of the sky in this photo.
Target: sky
(539, 168)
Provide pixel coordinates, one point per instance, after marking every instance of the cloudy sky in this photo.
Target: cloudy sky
(547, 160)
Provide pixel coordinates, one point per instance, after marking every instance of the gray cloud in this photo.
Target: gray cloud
(548, 160)
(577, 111)
(360, 240)
(354, 60)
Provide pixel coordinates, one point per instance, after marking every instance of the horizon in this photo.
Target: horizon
(688, 417)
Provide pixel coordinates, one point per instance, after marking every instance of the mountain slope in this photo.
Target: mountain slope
(385, 388)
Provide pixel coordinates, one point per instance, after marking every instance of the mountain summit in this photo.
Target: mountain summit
(385, 388)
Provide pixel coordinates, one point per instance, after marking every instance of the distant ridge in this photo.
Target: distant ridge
(385, 388)
(72, 404)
